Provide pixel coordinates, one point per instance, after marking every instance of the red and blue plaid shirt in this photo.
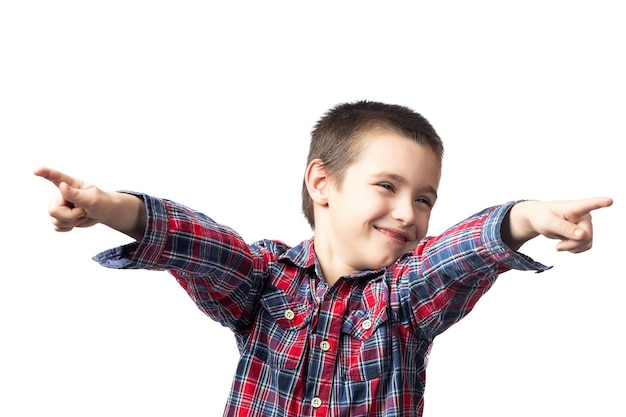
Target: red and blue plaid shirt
(357, 348)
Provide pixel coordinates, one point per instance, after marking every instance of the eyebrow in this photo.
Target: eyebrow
(402, 180)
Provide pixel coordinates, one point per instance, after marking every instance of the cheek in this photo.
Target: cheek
(365, 204)
(372, 208)
(422, 224)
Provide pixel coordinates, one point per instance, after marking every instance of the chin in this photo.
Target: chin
(383, 263)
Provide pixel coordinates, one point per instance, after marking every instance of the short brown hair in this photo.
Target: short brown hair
(336, 138)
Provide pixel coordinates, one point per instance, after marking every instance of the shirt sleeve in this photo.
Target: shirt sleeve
(219, 271)
(447, 274)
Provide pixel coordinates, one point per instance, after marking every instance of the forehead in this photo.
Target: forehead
(395, 154)
(377, 132)
(379, 143)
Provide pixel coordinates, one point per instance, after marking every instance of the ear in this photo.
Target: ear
(317, 182)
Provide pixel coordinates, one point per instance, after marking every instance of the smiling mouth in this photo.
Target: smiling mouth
(396, 236)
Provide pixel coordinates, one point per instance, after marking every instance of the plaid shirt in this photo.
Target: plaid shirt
(357, 348)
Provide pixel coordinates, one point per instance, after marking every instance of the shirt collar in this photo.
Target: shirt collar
(303, 256)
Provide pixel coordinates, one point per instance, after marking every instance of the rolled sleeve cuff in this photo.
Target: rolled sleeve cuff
(500, 251)
(147, 253)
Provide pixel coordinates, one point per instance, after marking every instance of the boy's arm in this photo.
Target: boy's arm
(568, 221)
(80, 204)
(452, 271)
(220, 272)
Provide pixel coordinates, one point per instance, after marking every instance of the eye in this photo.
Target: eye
(424, 200)
(386, 186)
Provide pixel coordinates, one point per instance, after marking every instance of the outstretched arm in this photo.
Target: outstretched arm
(80, 204)
(568, 221)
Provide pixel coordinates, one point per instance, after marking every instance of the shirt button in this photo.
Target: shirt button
(325, 345)
(316, 402)
(366, 324)
(289, 315)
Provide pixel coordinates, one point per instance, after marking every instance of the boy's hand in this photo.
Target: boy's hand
(80, 204)
(568, 221)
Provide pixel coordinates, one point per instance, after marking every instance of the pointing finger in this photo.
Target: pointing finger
(586, 205)
(57, 177)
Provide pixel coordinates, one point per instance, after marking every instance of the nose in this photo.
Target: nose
(404, 211)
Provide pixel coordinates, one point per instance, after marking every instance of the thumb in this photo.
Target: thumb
(574, 237)
(70, 195)
(563, 229)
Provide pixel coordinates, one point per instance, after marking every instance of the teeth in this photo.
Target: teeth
(397, 236)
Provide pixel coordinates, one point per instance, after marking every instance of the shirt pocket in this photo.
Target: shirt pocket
(364, 348)
(282, 329)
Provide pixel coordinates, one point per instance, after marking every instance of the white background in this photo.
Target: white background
(211, 104)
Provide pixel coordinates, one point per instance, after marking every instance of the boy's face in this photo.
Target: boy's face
(382, 208)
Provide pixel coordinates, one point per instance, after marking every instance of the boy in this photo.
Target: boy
(342, 323)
